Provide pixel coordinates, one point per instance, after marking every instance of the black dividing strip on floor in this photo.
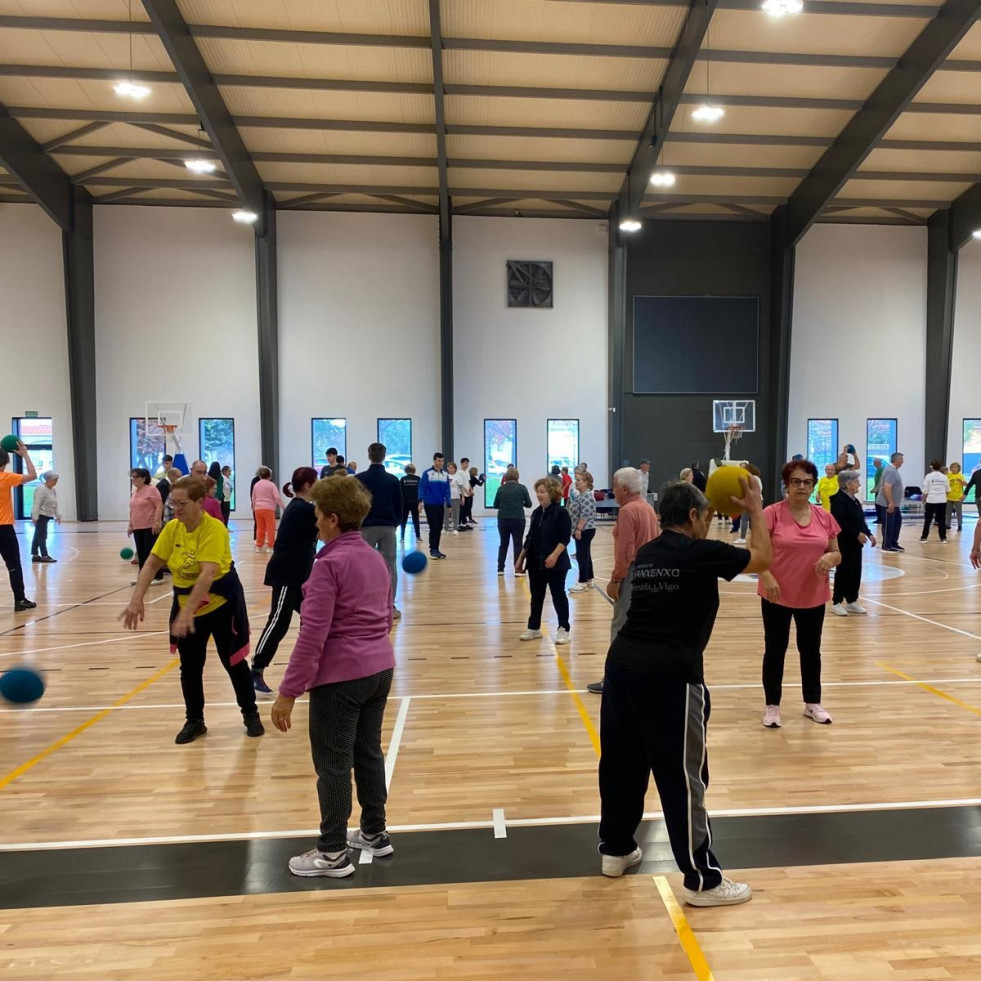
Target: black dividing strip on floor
(139, 873)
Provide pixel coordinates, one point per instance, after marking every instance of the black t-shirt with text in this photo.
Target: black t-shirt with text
(673, 605)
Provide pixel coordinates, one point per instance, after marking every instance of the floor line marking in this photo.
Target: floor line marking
(689, 943)
(916, 616)
(365, 858)
(481, 825)
(78, 730)
(393, 744)
(499, 822)
(931, 689)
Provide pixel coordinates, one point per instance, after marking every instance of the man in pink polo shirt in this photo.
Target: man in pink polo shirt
(636, 525)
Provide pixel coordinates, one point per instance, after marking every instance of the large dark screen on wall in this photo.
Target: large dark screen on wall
(696, 345)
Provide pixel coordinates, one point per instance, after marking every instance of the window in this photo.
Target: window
(880, 444)
(146, 445)
(36, 434)
(217, 444)
(822, 442)
(396, 434)
(326, 433)
(500, 452)
(563, 443)
(972, 446)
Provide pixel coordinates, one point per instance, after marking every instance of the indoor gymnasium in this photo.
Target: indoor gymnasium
(489, 490)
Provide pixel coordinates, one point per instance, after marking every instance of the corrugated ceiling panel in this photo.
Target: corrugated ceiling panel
(544, 20)
(348, 16)
(795, 81)
(534, 148)
(339, 141)
(534, 180)
(77, 165)
(558, 71)
(164, 194)
(766, 122)
(59, 93)
(101, 9)
(722, 155)
(746, 30)
(725, 187)
(903, 190)
(970, 47)
(81, 50)
(925, 161)
(348, 174)
(44, 130)
(352, 199)
(492, 111)
(317, 60)
(534, 204)
(145, 168)
(329, 105)
(961, 87)
(126, 135)
(707, 209)
(922, 126)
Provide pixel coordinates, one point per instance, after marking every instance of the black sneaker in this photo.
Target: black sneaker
(596, 688)
(47, 558)
(259, 683)
(35, 558)
(433, 554)
(190, 732)
(253, 725)
(24, 604)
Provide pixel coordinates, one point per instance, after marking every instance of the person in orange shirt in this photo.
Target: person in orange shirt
(9, 549)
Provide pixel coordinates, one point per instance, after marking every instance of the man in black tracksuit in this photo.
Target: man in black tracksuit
(410, 500)
(434, 489)
(378, 528)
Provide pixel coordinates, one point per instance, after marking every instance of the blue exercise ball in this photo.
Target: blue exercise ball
(414, 562)
(21, 685)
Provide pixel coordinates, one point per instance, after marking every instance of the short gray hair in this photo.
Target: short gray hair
(630, 478)
(677, 500)
(845, 476)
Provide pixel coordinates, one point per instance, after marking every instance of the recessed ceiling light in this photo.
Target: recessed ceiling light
(976, 233)
(201, 166)
(662, 178)
(630, 225)
(707, 113)
(130, 90)
(245, 217)
(782, 8)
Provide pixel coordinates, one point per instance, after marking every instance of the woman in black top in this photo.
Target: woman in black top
(847, 510)
(410, 499)
(466, 511)
(288, 569)
(546, 552)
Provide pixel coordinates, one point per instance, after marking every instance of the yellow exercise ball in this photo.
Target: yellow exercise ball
(723, 484)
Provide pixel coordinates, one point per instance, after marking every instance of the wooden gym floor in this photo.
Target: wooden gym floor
(125, 856)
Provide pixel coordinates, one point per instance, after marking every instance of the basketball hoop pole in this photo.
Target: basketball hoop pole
(732, 435)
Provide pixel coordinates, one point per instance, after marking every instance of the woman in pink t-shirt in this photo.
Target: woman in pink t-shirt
(145, 516)
(265, 499)
(796, 587)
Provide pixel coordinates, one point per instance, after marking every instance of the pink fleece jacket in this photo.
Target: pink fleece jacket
(345, 618)
(266, 496)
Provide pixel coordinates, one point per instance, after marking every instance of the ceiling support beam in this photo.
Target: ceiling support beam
(124, 192)
(665, 105)
(306, 199)
(582, 209)
(75, 134)
(175, 36)
(175, 135)
(267, 330)
(616, 329)
(965, 217)
(776, 364)
(80, 178)
(420, 206)
(436, 43)
(941, 302)
(465, 209)
(896, 91)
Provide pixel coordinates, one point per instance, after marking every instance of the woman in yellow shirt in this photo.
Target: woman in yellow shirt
(208, 602)
(827, 487)
(955, 498)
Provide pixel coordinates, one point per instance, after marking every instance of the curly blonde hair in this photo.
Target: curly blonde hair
(553, 486)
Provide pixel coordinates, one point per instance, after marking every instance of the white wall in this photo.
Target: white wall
(965, 393)
(531, 365)
(859, 335)
(34, 333)
(175, 309)
(358, 328)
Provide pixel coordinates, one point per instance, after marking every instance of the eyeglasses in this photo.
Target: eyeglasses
(178, 505)
(797, 482)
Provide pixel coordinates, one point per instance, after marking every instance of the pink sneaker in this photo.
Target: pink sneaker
(771, 717)
(817, 713)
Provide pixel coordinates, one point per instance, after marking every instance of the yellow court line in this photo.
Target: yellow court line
(931, 689)
(578, 702)
(688, 942)
(98, 717)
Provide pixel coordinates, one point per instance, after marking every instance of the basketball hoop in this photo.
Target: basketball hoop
(733, 434)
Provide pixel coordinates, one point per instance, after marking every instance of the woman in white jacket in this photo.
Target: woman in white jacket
(936, 487)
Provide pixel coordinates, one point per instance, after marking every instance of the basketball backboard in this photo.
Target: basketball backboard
(733, 412)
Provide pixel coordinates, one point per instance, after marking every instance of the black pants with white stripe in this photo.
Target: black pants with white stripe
(345, 734)
(285, 601)
(652, 725)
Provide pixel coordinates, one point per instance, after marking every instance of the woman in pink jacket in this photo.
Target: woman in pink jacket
(265, 499)
(344, 658)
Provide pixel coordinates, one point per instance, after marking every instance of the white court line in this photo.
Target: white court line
(130, 707)
(476, 825)
(365, 858)
(916, 616)
(393, 745)
(499, 823)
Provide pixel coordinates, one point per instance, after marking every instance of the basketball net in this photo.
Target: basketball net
(733, 434)
(172, 440)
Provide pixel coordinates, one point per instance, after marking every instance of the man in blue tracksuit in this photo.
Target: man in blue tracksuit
(434, 489)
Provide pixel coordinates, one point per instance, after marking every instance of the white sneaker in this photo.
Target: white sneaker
(977, 657)
(580, 587)
(379, 846)
(615, 865)
(562, 636)
(531, 635)
(455, 532)
(814, 711)
(856, 609)
(740, 541)
(315, 862)
(771, 717)
(839, 610)
(726, 893)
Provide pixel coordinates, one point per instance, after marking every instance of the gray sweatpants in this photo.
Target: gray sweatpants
(382, 538)
(622, 604)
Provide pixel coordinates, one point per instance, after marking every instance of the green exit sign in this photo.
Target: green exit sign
(30, 414)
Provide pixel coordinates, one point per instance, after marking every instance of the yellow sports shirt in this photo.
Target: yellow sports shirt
(184, 551)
